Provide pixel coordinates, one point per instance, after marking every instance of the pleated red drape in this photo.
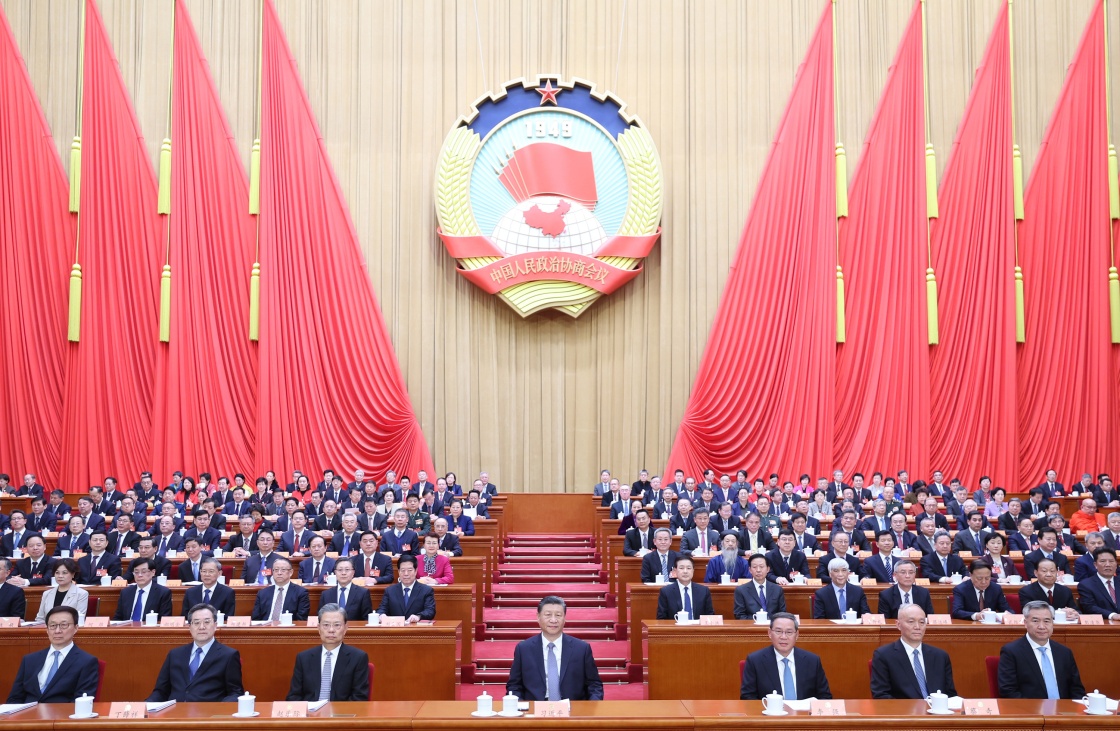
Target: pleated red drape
(972, 371)
(1065, 371)
(882, 371)
(764, 394)
(36, 239)
(332, 394)
(206, 394)
(107, 422)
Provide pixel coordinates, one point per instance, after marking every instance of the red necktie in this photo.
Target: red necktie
(1111, 590)
(981, 601)
(295, 547)
(1050, 597)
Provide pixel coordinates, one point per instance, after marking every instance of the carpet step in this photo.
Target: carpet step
(570, 625)
(521, 633)
(601, 616)
(600, 602)
(551, 556)
(500, 676)
(500, 653)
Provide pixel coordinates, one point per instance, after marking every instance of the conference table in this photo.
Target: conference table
(413, 662)
(1024, 715)
(691, 661)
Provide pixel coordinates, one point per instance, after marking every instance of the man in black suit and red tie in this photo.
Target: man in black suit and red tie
(332, 671)
(909, 668)
(1036, 667)
(978, 594)
(783, 667)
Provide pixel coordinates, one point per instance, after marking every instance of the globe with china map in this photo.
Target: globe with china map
(549, 223)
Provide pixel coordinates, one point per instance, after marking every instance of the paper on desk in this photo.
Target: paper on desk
(260, 622)
(120, 622)
(316, 705)
(32, 623)
(10, 708)
(956, 703)
(844, 621)
(1112, 705)
(157, 706)
(802, 705)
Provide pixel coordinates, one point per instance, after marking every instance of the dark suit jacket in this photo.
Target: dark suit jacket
(253, 566)
(690, 541)
(932, 570)
(340, 537)
(747, 603)
(965, 603)
(1016, 541)
(719, 525)
(42, 574)
(651, 565)
(871, 522)
(296, 601)
(210, 538)
(163, 568)
(1063, 596)
(334, 523)
(1009, 523)
(633, 541)
(450, 542)
(1095, 598)
(349, 681)
(1030, 562)
(185, 571)
(669, 600)
(129, 540)
(874, 568)
(40, 523)
(66, 542)
(890, 601)
(12, 601)
(378, 522)
(1084, 567)
(77, 675)
(410, 538)
(579, 678)
(1021, 677)
(822, 564)
(156, 599)
(825, 606)
(922, 544)
(174, 542)
(778, 569)
(809, 542)
(761, 676)
(421, 601)
(307, 570)
(238, 541)
(108, 565)
(963, 540)
(95, 520)
(381, 563)
(358, 603)
(217, 679)
(892, 672)
(223, 599)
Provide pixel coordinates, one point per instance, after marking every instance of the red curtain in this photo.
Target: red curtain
(206, 393)
(882, 371)
(36, 243)
(972, 371)
(332, 393)
(107, 420)
(764, 394)
(1066, 390)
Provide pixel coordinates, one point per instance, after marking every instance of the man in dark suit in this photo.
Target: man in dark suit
(835, 598)
(98, 562)
(353, 599)
(701, 539)
(1047, 548)
(188, 570)
(801, 674)
(315, 568)
(752, 538)
(348, 666)
(211, 591)
(803, 540)
(125, 536)
(71, 671)
(346, 541)
(400, 539)
(12, 601)
(408, 598)
(145, 596)
(205, 671)
(940, 565)
(1047, 589)
(18, 536)
(639, 539)
(1024, 538)
(837, 548)
(90, 518)
(208, 537)
(258, 566)
(1098, 593)
(662, 560)
(1106, 495)
(684, 594)
(1036, 667)
(904, 592)
(539, 673)
(849, 526)
(973, 539)
(36, 568)
(160, 564)
(244, 540)
(41, 520)
(978, 594)
(723, 520)
(881, 566)
(374, 566)
(908, 668)
(785, 560)
(447, 543)
(282, 596)
(760, 593)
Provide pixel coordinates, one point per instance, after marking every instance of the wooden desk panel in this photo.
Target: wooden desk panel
(414, 663)
(389, 715)
(586, 715)
(845, 652)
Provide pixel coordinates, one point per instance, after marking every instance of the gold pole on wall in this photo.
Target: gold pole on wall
(255, 191)
(74, 315)
(1017, 185)
(164, 202)
(931, 192)
(841, 192)
(1113, 194)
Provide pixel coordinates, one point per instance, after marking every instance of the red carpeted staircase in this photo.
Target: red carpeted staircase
(529, 568)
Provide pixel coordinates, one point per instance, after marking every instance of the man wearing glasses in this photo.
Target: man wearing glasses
(60, 673)
(205, 671)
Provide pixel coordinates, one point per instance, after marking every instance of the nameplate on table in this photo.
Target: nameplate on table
(97, 622)
(868, 582)
(119, 582)
(9, 622)
(863, 555)
(981, 707)
(939, 619)
(125, 709)
(1015, 555)
(813, 582)
(552, 709)
(172, 621)
(827, 708)
(239, 621)
(878, 619)
(921, 582)
(965, 555)
(388, 621)
(913, 554)
(1009, 618)
(1091, 618)
(297, 582)
(289, 709)
(711, 619)
(172, 583)
(313, 621)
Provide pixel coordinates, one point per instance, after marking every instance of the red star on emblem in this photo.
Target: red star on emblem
(548, 94)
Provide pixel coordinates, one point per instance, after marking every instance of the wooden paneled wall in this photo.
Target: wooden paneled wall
(544, 403)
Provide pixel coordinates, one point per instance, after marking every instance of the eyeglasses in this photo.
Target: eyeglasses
(783, 632)
(201, 622)
(60, 626)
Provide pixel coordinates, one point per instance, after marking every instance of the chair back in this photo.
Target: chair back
(991, 664)
(100, 679)
(371, 680)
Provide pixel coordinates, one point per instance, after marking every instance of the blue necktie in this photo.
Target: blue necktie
(196, 661)
(789, 689)
(206, 597)
(325, 679)
(1048, 676)
(138, 608)
(553, 673)
(342, 597)
(407, 591)
(920, 673)
(665, 567)
(346, 547)
(842, 600)
(945, 566)
(890, 571)
(51, 673)
(979, 549)
(688, 603)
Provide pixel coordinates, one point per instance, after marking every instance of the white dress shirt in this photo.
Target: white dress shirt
(787, 692)
(50, 661)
